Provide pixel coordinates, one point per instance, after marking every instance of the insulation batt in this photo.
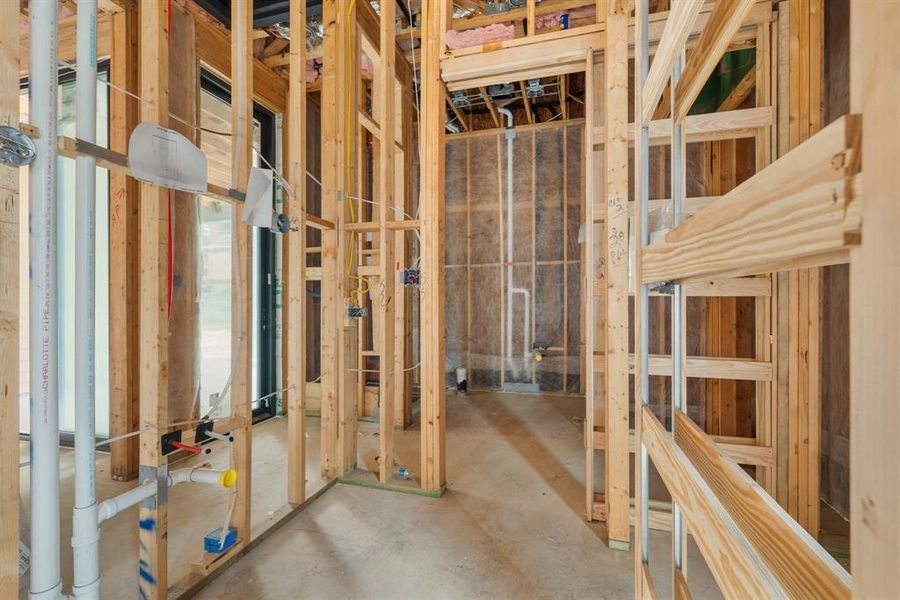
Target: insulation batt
(480, 35)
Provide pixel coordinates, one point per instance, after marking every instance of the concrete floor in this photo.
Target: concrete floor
(510, 524)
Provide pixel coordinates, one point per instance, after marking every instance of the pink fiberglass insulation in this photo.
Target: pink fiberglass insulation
(551, 21)
(312, 69)
(480, 35)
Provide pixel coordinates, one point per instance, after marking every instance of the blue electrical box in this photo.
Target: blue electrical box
(213, 540)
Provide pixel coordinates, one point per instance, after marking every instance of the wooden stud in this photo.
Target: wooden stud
(242, 267)
(431, 205)
(153, 513)
(403, 311)
(332, 101)
(806, 43)
(527, 102)
(531, 17)
(874, 324)
(616, 395)
(564, 97)
(296, 264)
(386, 191)
(124, 261)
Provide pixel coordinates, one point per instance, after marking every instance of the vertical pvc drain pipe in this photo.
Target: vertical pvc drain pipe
(511, 290)
(85, 530)
(43, 321)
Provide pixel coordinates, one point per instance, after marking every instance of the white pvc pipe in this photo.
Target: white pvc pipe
(85, 532)
(43, 322)
(110, 508)
(113, 506)
(511, 290)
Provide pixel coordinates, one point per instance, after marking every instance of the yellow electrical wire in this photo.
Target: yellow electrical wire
(359, 292)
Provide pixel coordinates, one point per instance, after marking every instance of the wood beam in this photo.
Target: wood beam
(801, 565)
(9, 311)
(517, 14)
(803, 209)
(548, 55)
(708, 367)
(153, 513)
(66, 43)
(296, 263)
(725, 20)
(734, 562)
(564, 97)
(527, 102)
(678, 27)
(617, 477)
(436, 16)
(733, 124)
(242, 62)
(740, 92)
(490, 106)
(458, 113)
(214, 46)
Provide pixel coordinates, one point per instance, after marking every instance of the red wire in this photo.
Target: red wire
(187, 448)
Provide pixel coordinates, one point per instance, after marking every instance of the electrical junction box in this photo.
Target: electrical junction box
(213, 540)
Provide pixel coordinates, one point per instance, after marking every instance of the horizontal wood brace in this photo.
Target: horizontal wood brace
(802, 210)
(800, 564)
(733, 287)
(402, 225)
(706, 127)
(732, 558)
(744, 451)
(709, 367)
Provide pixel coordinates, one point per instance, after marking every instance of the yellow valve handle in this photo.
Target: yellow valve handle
(228, 478)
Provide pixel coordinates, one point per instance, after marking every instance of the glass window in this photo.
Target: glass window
(66, 270)
(216, 254)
